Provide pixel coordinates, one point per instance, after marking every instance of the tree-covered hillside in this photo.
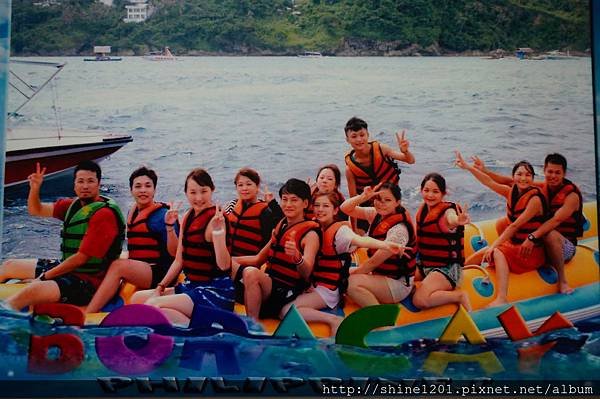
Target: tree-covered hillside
(348, 27)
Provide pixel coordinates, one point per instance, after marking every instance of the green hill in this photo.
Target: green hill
(343, 27)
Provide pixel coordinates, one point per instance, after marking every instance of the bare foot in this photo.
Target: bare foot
(565, 289)
(464, 300)
(497, 302)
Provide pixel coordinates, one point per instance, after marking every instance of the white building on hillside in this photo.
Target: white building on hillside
(107, 2)
(138, 11)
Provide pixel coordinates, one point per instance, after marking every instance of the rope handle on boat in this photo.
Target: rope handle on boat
(587, 247)
(479, 231)
(480, 268)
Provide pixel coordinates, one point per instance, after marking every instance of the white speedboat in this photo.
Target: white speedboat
(164, 55)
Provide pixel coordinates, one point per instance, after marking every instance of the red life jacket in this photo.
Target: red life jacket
(381, 169)
(331, 268)
(281, 266)
(572, 227)
(246, 233)
(199, 261)
(142, 243)
(395, 266)
(515, 206)
(437, 247)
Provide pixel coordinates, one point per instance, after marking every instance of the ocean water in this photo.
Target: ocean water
(284, 116)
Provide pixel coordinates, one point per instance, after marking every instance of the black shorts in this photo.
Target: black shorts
(73, 289)
(280, 296)
(158, 273)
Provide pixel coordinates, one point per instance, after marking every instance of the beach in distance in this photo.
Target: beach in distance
(284, 116)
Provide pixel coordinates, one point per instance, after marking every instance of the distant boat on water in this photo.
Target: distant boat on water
(310, 54)
(101, 53)
(164, 55)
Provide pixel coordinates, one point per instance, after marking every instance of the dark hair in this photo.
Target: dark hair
(526, 165)
(556, 159)
(334, 197)
(143, 171)
(355, 124)
(89, 166)
(249, 173)
(336, 173)
(297, 187)
(437, 179)
(395, 190)
(201, 177)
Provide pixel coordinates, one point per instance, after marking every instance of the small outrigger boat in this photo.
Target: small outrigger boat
(534, 294)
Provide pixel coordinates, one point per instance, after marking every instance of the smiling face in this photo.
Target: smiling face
(142, 191)
(385, 203)
(247, 190)
(554, 175)
(324, 210)
(359, 140)
(326, 181)
(293, 206)
(431, 193)
(86, 185)
(199, 197)
(523, 178)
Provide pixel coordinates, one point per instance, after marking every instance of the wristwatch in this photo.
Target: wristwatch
(532, 238)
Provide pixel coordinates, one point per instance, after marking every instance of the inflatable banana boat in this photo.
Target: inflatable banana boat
(535, 293)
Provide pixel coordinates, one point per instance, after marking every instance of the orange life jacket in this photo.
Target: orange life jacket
(331, 268)
(395, 266)
(199, 261)
(515, 206)
(572, 227)
(381, 169)
(436, 247)
(142, 243)
(281, 266)
(246, 233)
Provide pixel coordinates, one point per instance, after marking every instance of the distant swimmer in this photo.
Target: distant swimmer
(207, 281)
(526, 211)
(152, 229)
(92, 236)
(440, 236)
(370, 162)
(385, 277)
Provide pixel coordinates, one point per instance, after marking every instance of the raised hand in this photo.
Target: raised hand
(462, 214)
(172, 215)
(218, 221)
(291, 249)
(478, 163)
(37, 178)
(402, 142)
(267, 195)
(460, 161)
(312, 185)
(370, 192)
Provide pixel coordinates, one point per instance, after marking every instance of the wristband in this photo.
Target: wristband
(300, 261)
(218, 232)
(170, 224)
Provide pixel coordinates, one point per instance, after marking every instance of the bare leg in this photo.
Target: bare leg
(178, 308)
(34, 293)
(502, 272)
(436, 290)
(144, 295)
(133, 271)
(367, 290)
(257, 287)
(17, 268)
(476, 258)
(553, 245)
(308, 305)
